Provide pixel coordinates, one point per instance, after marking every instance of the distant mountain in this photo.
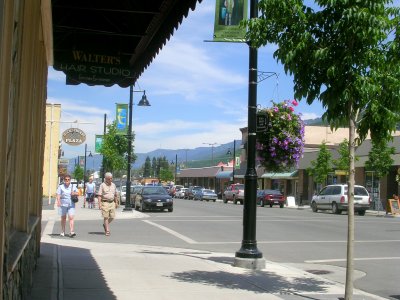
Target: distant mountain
(199, 157)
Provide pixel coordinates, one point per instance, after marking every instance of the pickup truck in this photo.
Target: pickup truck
(234, 193)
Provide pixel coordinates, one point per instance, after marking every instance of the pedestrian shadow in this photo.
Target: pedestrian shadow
(64, 272)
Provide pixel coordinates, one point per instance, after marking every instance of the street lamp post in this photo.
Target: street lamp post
(176, 166)
(142, 102)
(212, 151)
(84, 175)
(248, 256)
(234, 160)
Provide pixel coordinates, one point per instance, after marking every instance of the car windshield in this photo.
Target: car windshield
(208, 191)
(123, 188)
(154, 190)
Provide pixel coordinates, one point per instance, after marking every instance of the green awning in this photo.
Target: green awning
(284, 175)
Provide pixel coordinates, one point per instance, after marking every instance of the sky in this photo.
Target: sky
(198, 91)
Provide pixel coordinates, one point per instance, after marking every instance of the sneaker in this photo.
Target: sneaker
(72, 234)
(62, 234)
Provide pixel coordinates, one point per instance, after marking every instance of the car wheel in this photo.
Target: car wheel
(141, 206)
(270, 205)
(234, 200)
(361, 212)
(262, 204)
(335, 209)
(215, 200)
(314, 207)
(224, 200)
(170, 209)
(281, 205)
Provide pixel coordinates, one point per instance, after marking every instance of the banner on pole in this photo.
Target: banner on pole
(122, 118)
(228, 14)
(98, 143)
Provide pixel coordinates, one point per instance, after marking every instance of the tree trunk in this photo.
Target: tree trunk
(350, 195)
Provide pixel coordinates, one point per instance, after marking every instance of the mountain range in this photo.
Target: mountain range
(197, 157)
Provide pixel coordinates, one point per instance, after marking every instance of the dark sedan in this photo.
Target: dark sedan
(270, 197)
(153, 198)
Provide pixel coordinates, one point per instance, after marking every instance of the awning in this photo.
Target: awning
(224, 175)
(106, 42)
(284, 175)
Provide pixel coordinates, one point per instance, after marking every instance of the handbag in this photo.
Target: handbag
(74, 198)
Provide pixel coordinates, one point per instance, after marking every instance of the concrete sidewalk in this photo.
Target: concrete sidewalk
(73, 269)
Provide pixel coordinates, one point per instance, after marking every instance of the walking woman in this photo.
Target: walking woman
(66, 205)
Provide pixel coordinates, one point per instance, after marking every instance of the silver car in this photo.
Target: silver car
(334, 197)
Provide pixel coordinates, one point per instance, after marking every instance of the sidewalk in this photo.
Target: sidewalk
(72, 269)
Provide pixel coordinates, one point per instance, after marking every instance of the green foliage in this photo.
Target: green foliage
(380, 158)
(321, 167)
(344, 54)
(114, 150)
(147, 168)
(78, 173)
(343, 162)
(166, 174)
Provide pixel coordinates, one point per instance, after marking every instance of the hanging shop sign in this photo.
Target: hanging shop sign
(74, 136)
(94, 68)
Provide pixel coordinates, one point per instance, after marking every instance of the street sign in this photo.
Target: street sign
(74, 136)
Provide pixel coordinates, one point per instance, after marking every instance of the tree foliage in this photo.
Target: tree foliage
(114, 150)
(78, 173)
(321, 167)
(380, 158)
(345, 55)
(147, 167)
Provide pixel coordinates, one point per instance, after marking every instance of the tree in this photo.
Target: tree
(166, 174)
(343, 162)
(147, 167)
(380, 160)
(114, 150)
(344, 54)
(321, 167)
(78, 173)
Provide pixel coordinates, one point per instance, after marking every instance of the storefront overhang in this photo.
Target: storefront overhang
(224, 175)
(284, 175)
(106, 42)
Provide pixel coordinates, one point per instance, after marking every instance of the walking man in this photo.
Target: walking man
(108, 201)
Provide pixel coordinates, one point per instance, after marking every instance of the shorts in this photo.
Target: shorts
(108, 209)
(63, 210)
(90, 197)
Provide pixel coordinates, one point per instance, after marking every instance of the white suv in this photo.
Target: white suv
(334, 197)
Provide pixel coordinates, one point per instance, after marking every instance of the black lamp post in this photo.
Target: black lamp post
(84, 175)
(234, 160)
(248, 256)
(142, 102)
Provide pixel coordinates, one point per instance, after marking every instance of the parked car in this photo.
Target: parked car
(334, 197)
(180, 193)
(153, 197)
(122, 193)
(234, 193)
(270, 197)
(173, 189)
(205, 194)
(191, 191)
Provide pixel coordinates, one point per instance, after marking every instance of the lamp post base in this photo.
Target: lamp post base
(249, 263)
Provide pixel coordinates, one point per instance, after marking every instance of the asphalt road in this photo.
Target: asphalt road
(315, 242)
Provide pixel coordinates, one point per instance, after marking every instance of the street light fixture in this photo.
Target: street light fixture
(142, 102)
(84, 175)
(212, 151)
(176, 166)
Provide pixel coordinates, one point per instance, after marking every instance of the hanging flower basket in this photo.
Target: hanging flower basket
(280, 145)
